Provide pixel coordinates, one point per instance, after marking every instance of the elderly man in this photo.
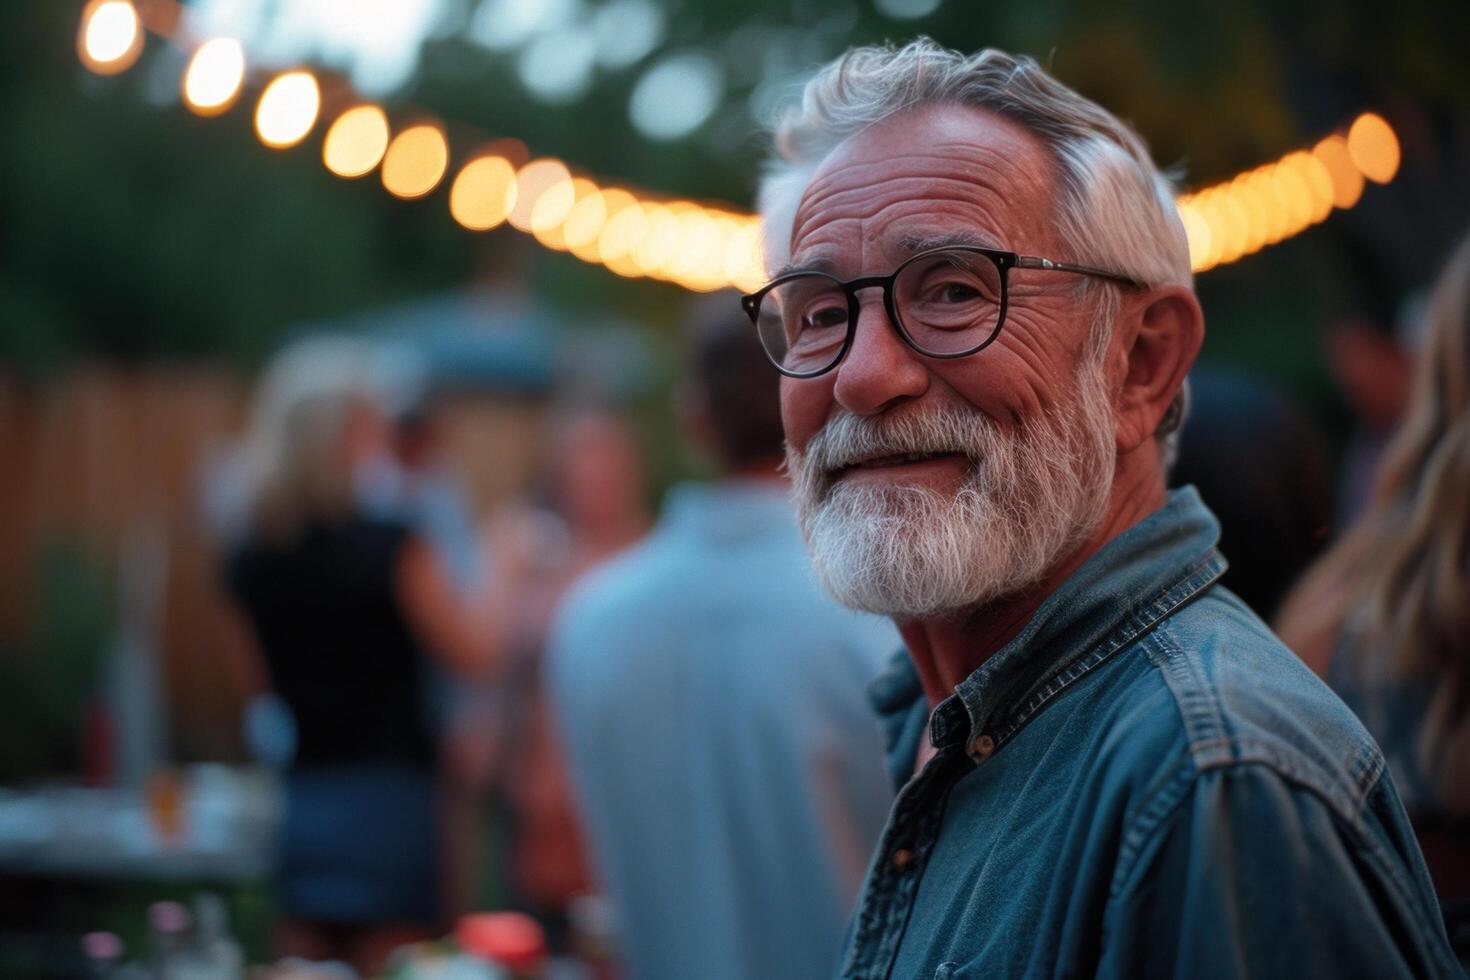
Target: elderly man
(985, 325)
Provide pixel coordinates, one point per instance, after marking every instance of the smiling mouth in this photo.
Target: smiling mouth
(891, 460)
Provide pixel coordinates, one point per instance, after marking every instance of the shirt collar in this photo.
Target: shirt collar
(1129, 585)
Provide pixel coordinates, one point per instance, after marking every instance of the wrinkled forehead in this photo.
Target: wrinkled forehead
(939, 170)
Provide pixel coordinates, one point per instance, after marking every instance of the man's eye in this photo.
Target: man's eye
(826, 317)
(954, 292)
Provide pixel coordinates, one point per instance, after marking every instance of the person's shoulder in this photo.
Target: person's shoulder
(1242, 698)
(631, 577)
(617, 593)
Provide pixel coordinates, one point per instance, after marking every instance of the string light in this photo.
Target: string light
(698, 247)
(1374, 148)
(110, 37)
(215, 74)
(538, 179)
(356, 141)
(287, 109)
(483, 193)
(415, 161)
(1347, 181)
(1277, 200)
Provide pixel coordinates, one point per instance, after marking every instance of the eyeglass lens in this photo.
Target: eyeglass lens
(947, 303)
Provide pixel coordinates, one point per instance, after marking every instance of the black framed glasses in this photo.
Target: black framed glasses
(944, 302)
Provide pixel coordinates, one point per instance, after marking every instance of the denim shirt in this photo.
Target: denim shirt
(1144, 782)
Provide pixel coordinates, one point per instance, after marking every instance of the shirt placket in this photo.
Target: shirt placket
(904, 851)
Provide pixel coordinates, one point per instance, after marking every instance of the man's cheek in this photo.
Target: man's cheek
(804, 408)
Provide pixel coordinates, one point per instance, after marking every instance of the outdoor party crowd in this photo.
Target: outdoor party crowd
(934, 677)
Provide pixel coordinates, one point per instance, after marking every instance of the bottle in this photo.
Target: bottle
(509, 939)
(216, 954)
(169, 924)
(104, 952)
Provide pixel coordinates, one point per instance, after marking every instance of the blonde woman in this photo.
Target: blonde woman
(336, 606)
(1385, 615)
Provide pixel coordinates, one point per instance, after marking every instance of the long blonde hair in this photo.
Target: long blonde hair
(298, 421)
(1402, 574)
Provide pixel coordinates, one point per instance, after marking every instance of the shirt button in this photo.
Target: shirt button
(902, 859)
(982, 747)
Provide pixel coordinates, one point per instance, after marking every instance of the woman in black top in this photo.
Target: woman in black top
(338, 607)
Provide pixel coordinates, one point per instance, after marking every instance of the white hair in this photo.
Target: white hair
(1114, 208)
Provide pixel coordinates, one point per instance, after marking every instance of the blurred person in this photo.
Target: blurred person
(1260, 465)
(410, 479)
(594, 510)
(712, 705)
(1373, 367)
(1385, 615)
(1125, 772)
(335, 607)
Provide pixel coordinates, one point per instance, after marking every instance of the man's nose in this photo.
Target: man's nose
(880, 370)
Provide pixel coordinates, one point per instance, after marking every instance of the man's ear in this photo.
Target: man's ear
(1163, 340)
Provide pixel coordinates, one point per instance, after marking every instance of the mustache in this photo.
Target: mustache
(848, 439)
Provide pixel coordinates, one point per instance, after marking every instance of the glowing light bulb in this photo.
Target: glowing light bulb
(625, 227)
(483, 193)
(111, 36)
(1197, 231)
(1347, 181)
(744, 264)
(287, 109)
(584, 225)
(215, 74)
(534, 181)
(415, 161)
(1374, 148)
(356, 141)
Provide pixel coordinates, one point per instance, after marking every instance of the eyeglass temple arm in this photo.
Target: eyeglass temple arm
(1037, 262)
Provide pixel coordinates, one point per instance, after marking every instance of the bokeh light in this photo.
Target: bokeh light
(415, 161)
(356, 142)
(675, 96)
(214, 77)
(1374, 148)
(287, 109)
(534, 181)
(1347, 181)
(626, 225)
(906, 9)
(1295, 195)
(1196, 232)
(483, 193)
(1317, 179)
(695, 246)
(589, 219)
(659, 239)
(584, 222)
(554, 208)
(111, 36)
(1245, 197)
(745, 265)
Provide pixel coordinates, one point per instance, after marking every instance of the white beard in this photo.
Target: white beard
(1031, 498)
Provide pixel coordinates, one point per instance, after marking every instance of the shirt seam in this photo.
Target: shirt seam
(1137, 623)
(1212, 744)
(1154, 820)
